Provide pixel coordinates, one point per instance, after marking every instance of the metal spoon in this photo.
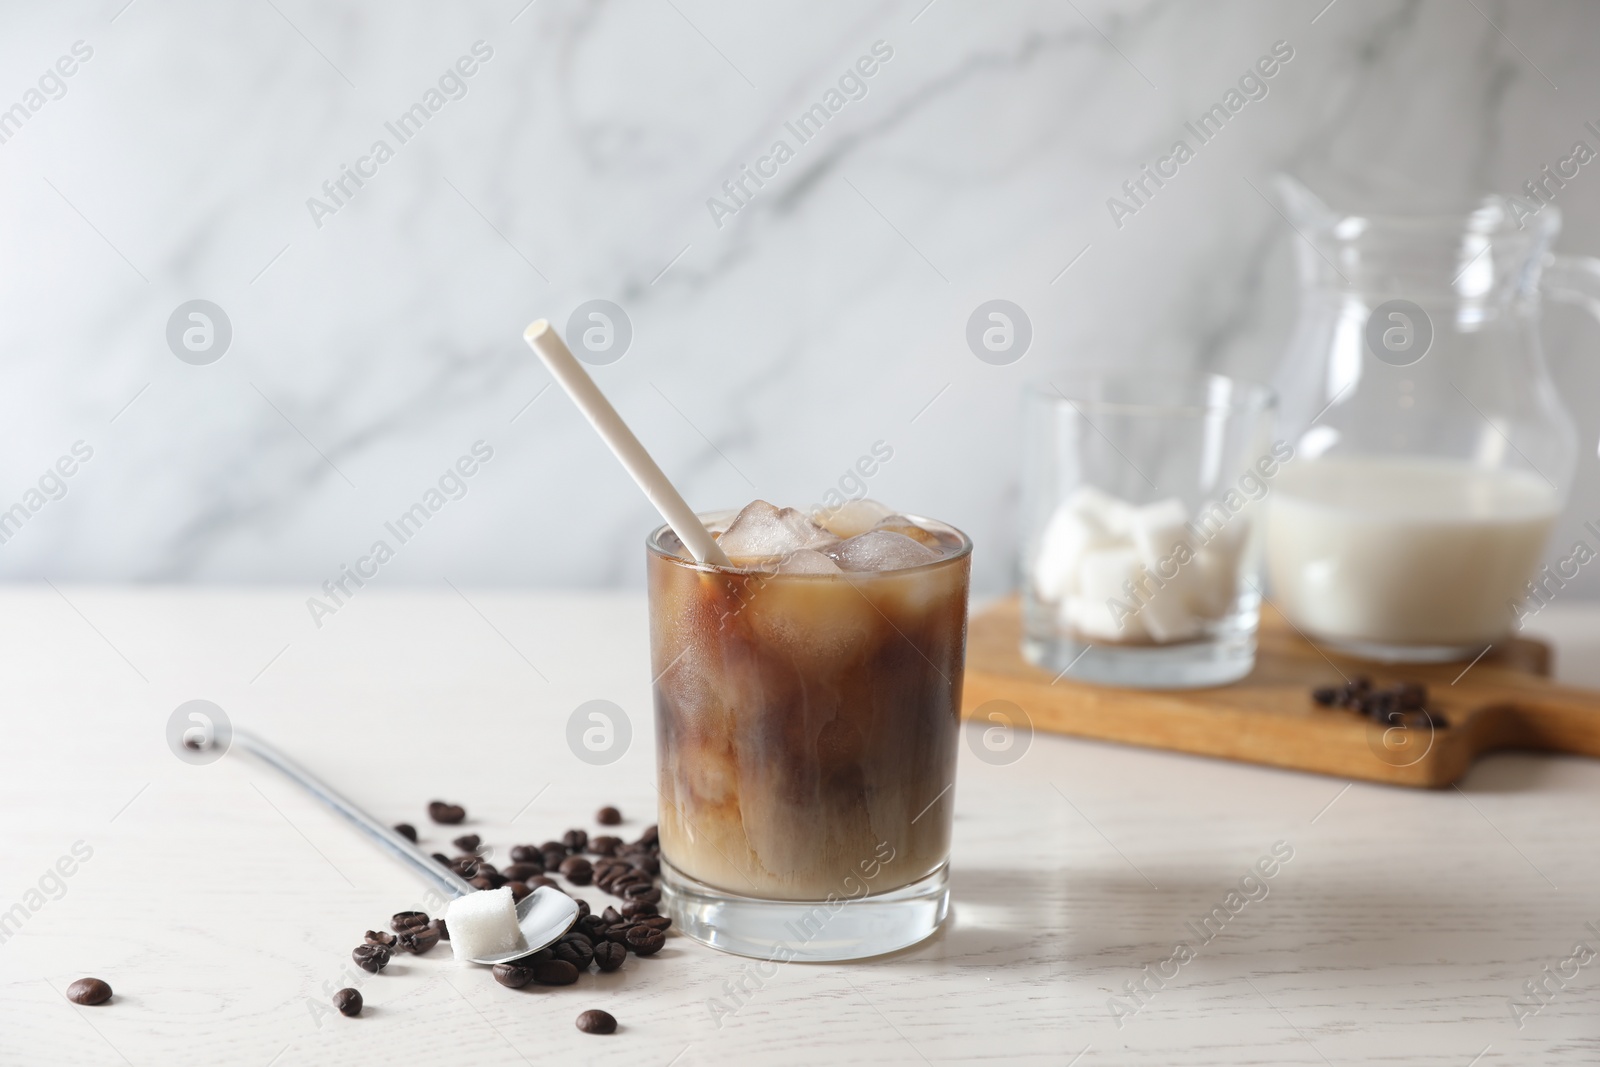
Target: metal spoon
(544, 915)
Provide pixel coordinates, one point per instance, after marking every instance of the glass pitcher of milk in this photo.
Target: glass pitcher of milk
(1432, 454)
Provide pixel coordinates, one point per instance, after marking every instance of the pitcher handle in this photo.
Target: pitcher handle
(1573, 280)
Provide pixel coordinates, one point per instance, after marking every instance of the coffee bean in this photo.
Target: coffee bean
(611, 914)
(513, 975)
(604, 845)
(588, 925)
(637, 909)
(403, 921)
(88, 991)
(407, 831)
(518, 891)
(554, 846)
(583, 909)
(378, 937)
(655, 922)
(647, 863)
(577, 953)
(643, 893)
(578, 935)
(618, 933)
(554, 857)
(575, 840)
(541, 881)
(348, 1001)
(444, 931)
(577, 870)
(420, 940)
(1326, 695)
(526, 854)
(608, 816)
(650, 837)
(448, 814)
(595, 1021)
(521, 872)
(645, 941)
(608, 955)
(483, 881)
(372, 958)
(442, 858)
(555, 972)
(468, 842)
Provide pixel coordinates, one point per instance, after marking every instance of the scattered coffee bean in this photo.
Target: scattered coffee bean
(447, 814)
(637, 909)
(575, 840)
(651, 837)
(444, 931)
(483, 881)
(1400, 704)
(540, 881)
(468, 842)
(608, 816)
(603, 845)
(583, 909)
(518, 891)
(577, 870)
(655, 922)
(527, 854)
(88, 991)
(645, 941)
(378, 937)
(513, 975)
(611, 915)
(407, 831)
(648, 864)
(521, 872)
(348, 1001)
(618, 933)
(595, 1021)
(442, 858)
(420, 940)
(553, 846)
(555, 972)
(642, 892)
(371, 958)
(554, 857)
(578, 953)
(403, 921)
(608, 955)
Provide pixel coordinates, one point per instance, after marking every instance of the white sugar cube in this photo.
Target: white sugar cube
(1102, 573)
(484, 924)
(1094, 619)
(1104, 511)
(1211, 581)
(1157, 530)
(1166, 613)
(1055, 568)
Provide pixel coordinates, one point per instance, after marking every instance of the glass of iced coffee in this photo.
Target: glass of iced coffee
(807, 704)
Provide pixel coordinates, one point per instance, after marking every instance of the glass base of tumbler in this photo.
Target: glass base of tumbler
(1190, 665)
(807, 931)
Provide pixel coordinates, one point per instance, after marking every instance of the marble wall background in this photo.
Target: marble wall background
(768, 353)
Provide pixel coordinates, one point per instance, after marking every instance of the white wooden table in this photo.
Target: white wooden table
(219, 903)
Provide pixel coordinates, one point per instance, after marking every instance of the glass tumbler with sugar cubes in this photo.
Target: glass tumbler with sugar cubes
(1142, 533)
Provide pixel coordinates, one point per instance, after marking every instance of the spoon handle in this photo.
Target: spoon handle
(447, 881)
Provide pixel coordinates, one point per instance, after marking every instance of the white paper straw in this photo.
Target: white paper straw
(609, 425)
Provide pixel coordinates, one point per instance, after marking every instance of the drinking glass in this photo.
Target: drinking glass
(806, 730)
(1140, 564)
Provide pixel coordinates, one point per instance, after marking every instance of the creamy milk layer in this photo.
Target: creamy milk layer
(1405, 552)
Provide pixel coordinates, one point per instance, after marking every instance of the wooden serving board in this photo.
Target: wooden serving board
(1505, 700)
